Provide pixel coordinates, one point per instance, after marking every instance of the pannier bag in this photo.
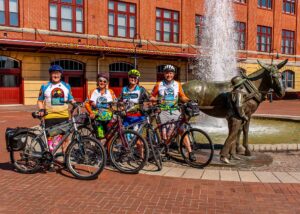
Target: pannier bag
(61, 128)
(15, 141)
(192, 109)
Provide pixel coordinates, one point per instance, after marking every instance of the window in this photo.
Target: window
(240, 35)
(69, 65)
(167, 25)
(265, 3)
(160, 72)
(288, 6)
(8, 63)
(120, 67)
(121, 19)
(199, 28)
(9, 12)
(288, 78)
(66, 15)
(264, 38)
(240, 1)
(288, 42)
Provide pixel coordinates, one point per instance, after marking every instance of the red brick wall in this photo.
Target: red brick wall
(34, 14)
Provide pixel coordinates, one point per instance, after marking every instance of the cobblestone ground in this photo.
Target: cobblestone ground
(119, 193)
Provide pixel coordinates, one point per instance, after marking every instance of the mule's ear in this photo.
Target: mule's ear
(280, 65)
(263, 65)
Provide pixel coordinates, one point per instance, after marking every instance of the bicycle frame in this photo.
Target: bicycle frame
(42, 130)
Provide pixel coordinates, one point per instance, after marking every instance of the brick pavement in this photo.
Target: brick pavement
(280, 107)
(118, 193)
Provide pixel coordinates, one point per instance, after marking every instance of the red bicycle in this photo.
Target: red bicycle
(127, 149)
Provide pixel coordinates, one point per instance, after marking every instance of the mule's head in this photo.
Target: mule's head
(275, 77)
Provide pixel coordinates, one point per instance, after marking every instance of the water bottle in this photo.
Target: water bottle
(56, 140)
(100, 131)
(50, 143)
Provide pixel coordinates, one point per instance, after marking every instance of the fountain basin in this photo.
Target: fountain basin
(262, 131)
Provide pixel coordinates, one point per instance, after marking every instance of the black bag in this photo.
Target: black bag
(192, 109)
(15, 140)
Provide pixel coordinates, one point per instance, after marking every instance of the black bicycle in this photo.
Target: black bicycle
(151, 135)
(85, 157)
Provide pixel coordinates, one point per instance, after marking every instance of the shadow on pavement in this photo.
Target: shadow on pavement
(7, 166)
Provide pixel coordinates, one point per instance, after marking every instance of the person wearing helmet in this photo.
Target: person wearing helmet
(133, 95)
(98, 104)
(52, 98)
(169, 92)
(236, 100)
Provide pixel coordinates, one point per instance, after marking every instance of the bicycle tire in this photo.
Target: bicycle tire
(25, 154)
(79, 151)
(153, 139)
(202, 147)
(117, 150)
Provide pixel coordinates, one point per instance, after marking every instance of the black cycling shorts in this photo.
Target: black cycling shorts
(54, 121)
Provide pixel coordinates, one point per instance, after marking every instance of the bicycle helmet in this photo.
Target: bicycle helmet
(169, 68)
(134, 72)
(55, 68)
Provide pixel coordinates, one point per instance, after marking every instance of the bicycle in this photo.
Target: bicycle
(200, 142)
(127, 149)
(85, 157)
(152, 137)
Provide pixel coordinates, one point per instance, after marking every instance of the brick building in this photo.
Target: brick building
(90, 36)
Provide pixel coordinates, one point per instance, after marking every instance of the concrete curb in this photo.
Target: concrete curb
(274, 147)
(277, 117)
(227, 175)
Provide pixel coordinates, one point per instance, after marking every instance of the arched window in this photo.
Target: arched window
(120, 67)
(7, 63)
(288, 79)
(69, 65)
(160, 72)
(118, 76)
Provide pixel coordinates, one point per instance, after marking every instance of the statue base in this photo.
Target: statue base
(257, 159)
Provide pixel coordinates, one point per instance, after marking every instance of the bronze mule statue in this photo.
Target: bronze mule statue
(212, 98)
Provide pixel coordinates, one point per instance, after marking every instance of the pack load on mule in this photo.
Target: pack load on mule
(213, 99)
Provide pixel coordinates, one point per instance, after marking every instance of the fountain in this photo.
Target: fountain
(217, 54)
(216, 66)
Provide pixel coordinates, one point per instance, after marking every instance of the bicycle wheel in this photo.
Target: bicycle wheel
(84, 130)
(153, 140)
(27, 160)
(85, 159)
(201, 145)
(129, 152)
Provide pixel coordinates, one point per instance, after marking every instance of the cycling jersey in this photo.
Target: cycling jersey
(137, 96)
(101, 106)
(168, 93)
(55, 96)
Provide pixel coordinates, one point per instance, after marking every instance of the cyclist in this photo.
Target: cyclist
(135, 95)
(169, 92)
(97, 104)
(52, 98)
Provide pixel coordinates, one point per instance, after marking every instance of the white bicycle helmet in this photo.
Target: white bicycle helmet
(169, 68)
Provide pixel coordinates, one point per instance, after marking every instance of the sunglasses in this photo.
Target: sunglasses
(104, 81)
